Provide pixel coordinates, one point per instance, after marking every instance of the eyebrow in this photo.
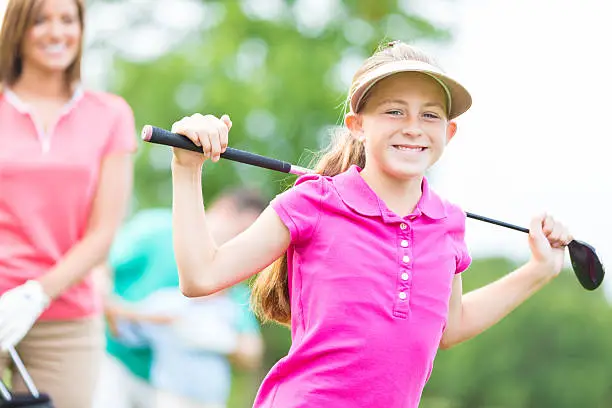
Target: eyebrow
(402, 102)
(439, 105)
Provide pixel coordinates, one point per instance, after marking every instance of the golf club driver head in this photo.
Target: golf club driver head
(586, 264)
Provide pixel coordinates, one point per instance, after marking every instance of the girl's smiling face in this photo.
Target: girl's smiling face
(404, 125)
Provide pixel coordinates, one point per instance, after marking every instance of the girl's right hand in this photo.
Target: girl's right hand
(207, 131)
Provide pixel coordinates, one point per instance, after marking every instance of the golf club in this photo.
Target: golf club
(583, 257)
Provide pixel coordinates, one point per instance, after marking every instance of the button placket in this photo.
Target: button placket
(404, 275)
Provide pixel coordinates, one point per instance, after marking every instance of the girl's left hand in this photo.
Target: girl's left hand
(547, 240)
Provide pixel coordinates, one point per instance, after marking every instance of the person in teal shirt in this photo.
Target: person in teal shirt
(145, 303)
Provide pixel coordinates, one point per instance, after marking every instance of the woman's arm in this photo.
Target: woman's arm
(108, 210)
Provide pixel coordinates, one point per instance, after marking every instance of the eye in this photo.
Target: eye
(394, 112)
(39, 20)
(68, 19)
(431, 115)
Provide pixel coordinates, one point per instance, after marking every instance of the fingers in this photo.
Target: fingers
(205, 142)
(10, 337)
(536, 227)
(209, 132)
(184, 127)
(225, 132)
(548, 224)
(560, 236)
(215, 144)
(554, 231)
(228, 122)
(9, 333)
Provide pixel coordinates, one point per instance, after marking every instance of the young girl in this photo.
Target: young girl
(65, 183)
(367, 258)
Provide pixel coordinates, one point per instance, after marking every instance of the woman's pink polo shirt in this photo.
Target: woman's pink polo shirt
(47, 184)
(369, 294)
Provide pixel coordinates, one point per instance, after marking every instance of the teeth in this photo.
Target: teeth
(417, 149)
(55, 48)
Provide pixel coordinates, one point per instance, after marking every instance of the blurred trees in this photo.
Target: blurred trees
(553, 351)
(281, 70)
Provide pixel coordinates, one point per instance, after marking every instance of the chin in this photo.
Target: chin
(406, 172)
(55, 66)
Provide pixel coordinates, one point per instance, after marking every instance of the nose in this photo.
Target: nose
(56, 29)
(412, 126)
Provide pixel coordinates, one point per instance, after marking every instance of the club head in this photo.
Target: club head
(586, 264)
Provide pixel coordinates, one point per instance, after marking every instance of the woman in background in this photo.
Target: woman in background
(65, 183)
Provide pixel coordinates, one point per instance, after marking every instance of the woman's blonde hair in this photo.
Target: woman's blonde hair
(270, 289)
(18, 18)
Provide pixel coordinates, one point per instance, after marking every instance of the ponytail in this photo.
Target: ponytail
(270, 290)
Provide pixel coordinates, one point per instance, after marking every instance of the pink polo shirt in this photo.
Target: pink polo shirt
(47, 185)
(369, 294)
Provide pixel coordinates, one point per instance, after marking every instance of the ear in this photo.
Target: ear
(451, 130)
(354, 123)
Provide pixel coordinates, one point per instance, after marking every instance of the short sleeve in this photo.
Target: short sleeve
(122, 137)
(464, 258)
(300, 207)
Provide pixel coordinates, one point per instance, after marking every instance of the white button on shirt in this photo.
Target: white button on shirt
(406, 259)
(402, 295)
(403, 226)
(404, 276)
(404, 243)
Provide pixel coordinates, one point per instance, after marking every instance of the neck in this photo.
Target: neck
(400, 196)
(34, 83)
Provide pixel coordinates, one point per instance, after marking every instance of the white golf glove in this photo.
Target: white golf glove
(19, 309)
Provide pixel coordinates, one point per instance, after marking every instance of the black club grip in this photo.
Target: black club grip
(161, 136)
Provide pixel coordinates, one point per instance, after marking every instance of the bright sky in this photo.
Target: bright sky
(538, 136)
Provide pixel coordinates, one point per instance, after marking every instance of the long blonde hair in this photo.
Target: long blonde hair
(270, 289)
(18, 19)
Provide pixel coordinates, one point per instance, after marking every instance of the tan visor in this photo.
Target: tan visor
(459, 99)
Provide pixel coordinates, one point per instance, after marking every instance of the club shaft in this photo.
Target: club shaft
(6, 394)
(23, 372)
(161, 136)
(496, 222)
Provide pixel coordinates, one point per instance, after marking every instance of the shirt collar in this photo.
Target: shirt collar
(22, 107)
(358, 195)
